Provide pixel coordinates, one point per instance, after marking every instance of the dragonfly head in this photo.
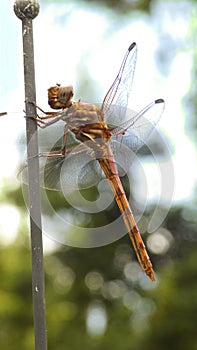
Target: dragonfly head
(60, 96)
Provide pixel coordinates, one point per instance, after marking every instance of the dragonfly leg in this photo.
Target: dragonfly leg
(40, 120)
(52, 154)
(63, 149)
(42, 124)
(60, 153)
(47, 114)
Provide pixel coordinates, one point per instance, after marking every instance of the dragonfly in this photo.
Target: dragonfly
(96, 130)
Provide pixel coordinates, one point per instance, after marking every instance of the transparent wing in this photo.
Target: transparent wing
(131, 135)
(116, 99)
(77, 170)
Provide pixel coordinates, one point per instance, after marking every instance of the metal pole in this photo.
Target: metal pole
(27, 10)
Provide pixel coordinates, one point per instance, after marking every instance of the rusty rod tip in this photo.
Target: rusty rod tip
(26, 9)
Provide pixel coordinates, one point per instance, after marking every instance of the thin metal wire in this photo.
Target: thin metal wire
(27, 10)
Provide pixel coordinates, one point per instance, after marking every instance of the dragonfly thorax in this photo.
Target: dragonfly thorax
(86, 121)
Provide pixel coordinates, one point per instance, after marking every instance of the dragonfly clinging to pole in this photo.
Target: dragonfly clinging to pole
(90, 126)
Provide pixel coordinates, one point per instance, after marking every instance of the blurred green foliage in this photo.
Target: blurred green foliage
(173, 324)
(77, 279)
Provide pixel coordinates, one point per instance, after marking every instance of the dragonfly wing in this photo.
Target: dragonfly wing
(134, 132)
(77, 170)
(50, 170)
(115, 102)
(123, 156)
(131, 135)
(71, 173)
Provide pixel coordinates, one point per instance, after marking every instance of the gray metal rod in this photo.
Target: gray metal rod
(27, 10)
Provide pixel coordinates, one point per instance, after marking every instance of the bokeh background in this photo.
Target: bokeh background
(98, 298)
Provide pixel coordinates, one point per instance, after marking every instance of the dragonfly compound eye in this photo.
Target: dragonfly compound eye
(60, 96)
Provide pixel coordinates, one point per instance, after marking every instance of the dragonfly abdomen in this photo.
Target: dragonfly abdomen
(108, 166)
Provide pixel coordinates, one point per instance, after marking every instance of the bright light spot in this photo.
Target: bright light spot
(62, 275)
(96, 321)
(130, 299)
(155, 182)
(9, 222)
(132, 271)
(122, 256)
(49, 245)
(149, 179)
(173, 122)
(94, 280)
(142, 310)
(160, 241)
(185, 175)
(64, 279)
(114, 289)
(145, 307)
(146, 284)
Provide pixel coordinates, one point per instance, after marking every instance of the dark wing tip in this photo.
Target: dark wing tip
(131, 46)
(160, 100)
